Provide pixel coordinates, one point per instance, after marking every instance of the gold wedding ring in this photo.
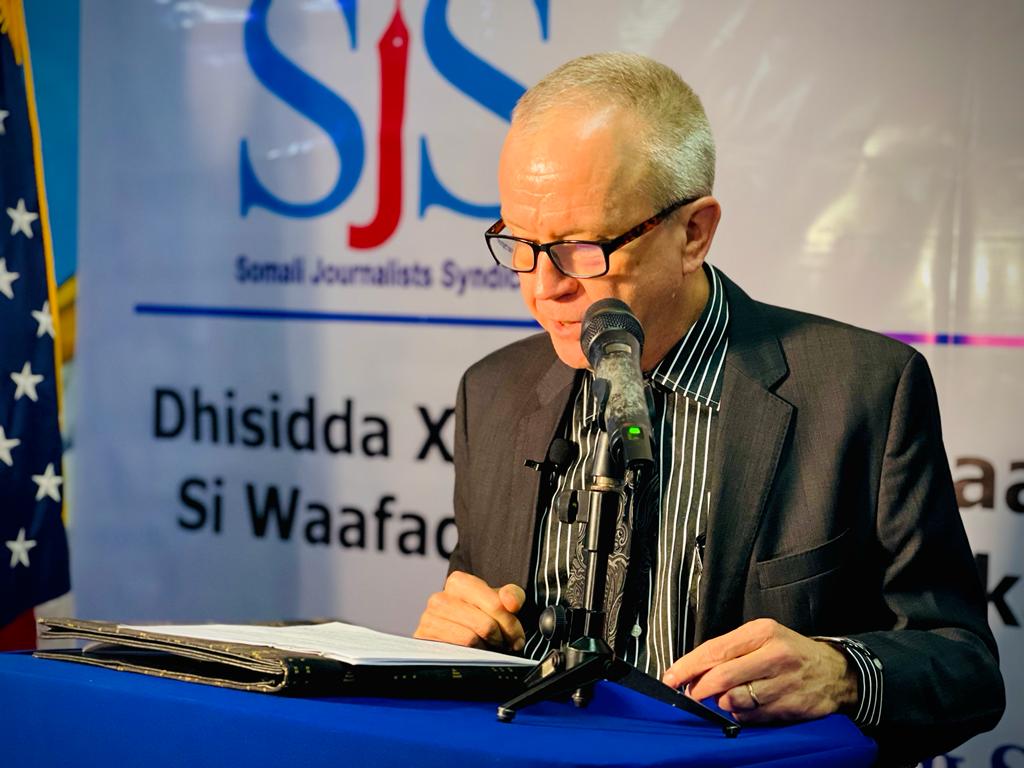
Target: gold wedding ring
(753, 696)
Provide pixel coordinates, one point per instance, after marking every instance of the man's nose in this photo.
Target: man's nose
(549, 282)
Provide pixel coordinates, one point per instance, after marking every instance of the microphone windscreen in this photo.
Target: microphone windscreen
(608, 315)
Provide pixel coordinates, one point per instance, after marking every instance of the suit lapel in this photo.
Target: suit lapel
(533, 434)
(751, 433)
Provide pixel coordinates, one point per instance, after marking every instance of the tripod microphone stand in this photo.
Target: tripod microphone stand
(611, 338)
(584, 657)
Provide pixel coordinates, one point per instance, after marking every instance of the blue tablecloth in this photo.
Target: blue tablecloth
(61, 713)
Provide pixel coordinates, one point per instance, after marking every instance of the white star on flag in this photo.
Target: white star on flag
(21, 219)
(6, 278)
(49, 484)
(3, 116)
(6, 444)
(26, 381)
(19, 549)
(45, 320)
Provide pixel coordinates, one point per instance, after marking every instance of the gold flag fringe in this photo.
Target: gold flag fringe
(12, 24)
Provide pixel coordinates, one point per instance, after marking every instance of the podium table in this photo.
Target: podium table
(62, 713)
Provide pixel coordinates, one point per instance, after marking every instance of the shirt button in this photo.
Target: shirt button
(636, 631)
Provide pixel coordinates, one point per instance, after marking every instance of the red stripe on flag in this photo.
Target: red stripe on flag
(20, 634)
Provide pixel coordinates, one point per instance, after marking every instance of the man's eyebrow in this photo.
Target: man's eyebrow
(513, 226)
(510, 224)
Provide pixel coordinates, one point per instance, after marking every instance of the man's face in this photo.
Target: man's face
(577, 177)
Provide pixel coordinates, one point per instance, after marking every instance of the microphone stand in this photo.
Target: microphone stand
(583, 657)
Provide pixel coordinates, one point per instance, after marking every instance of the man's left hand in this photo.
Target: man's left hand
(792, 676)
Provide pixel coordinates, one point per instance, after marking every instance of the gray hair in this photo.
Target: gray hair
(675, 134)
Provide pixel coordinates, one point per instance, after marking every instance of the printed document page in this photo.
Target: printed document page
(344, 642)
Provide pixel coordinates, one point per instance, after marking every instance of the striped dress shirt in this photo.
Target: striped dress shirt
(670, 529)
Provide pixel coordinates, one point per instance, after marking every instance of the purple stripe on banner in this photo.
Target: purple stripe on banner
(958, 339)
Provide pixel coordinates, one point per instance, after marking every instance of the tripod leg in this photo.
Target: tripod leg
(553, 686)
(582, 696)
(548, 666)
(629, 676)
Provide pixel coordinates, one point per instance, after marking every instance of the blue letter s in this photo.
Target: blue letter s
(486, 85)
(313, 100)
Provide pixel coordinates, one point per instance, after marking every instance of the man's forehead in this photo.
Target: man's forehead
(539, 167)
(573, 164)
(548, 208)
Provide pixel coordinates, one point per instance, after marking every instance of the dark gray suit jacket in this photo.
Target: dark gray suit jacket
(832, 511)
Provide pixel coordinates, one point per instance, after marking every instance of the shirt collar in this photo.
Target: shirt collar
(693, 365)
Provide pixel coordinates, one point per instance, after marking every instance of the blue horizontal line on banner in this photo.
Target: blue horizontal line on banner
(257, 313)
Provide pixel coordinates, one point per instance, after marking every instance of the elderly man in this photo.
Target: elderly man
(803, 553)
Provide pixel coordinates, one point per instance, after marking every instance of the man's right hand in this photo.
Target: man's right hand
(470, 612)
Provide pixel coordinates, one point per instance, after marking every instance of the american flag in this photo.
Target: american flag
(34, 558)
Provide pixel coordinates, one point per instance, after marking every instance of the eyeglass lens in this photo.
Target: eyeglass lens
(581, 259)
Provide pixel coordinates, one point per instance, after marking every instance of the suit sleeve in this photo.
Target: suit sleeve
(939, 660)
(460, 558)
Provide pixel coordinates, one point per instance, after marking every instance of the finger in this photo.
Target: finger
(477, 592)
(744, 698)
(751, 716)
(432, 627)
(444, 606)
(776, 702)
(767, 662)
(739, 642)
(512, 597)
(688, 688)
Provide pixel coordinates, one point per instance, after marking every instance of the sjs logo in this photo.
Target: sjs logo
(478, 80)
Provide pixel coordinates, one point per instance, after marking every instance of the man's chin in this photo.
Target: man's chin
(569, 351)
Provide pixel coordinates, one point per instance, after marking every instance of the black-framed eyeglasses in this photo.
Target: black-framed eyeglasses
(574, 258)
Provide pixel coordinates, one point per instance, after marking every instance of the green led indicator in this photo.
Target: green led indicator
(634, 432)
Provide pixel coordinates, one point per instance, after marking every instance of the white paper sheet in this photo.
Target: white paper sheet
(343, 642)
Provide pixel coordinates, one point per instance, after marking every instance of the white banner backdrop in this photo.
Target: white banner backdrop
(283, 274)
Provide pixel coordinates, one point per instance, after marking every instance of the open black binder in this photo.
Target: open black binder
(269, 670)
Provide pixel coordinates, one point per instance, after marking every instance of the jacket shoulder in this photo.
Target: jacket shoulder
(525, 360)
(839, 346)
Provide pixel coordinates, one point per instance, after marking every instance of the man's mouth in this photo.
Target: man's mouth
(565, 329)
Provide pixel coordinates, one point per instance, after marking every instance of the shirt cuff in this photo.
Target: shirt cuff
(869, 675)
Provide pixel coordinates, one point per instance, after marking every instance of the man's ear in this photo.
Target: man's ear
(704, 215)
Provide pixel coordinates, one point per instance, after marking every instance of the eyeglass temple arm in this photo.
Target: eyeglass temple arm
(644, 226)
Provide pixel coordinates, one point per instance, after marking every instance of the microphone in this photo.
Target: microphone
(561, 454)
(612, 339)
